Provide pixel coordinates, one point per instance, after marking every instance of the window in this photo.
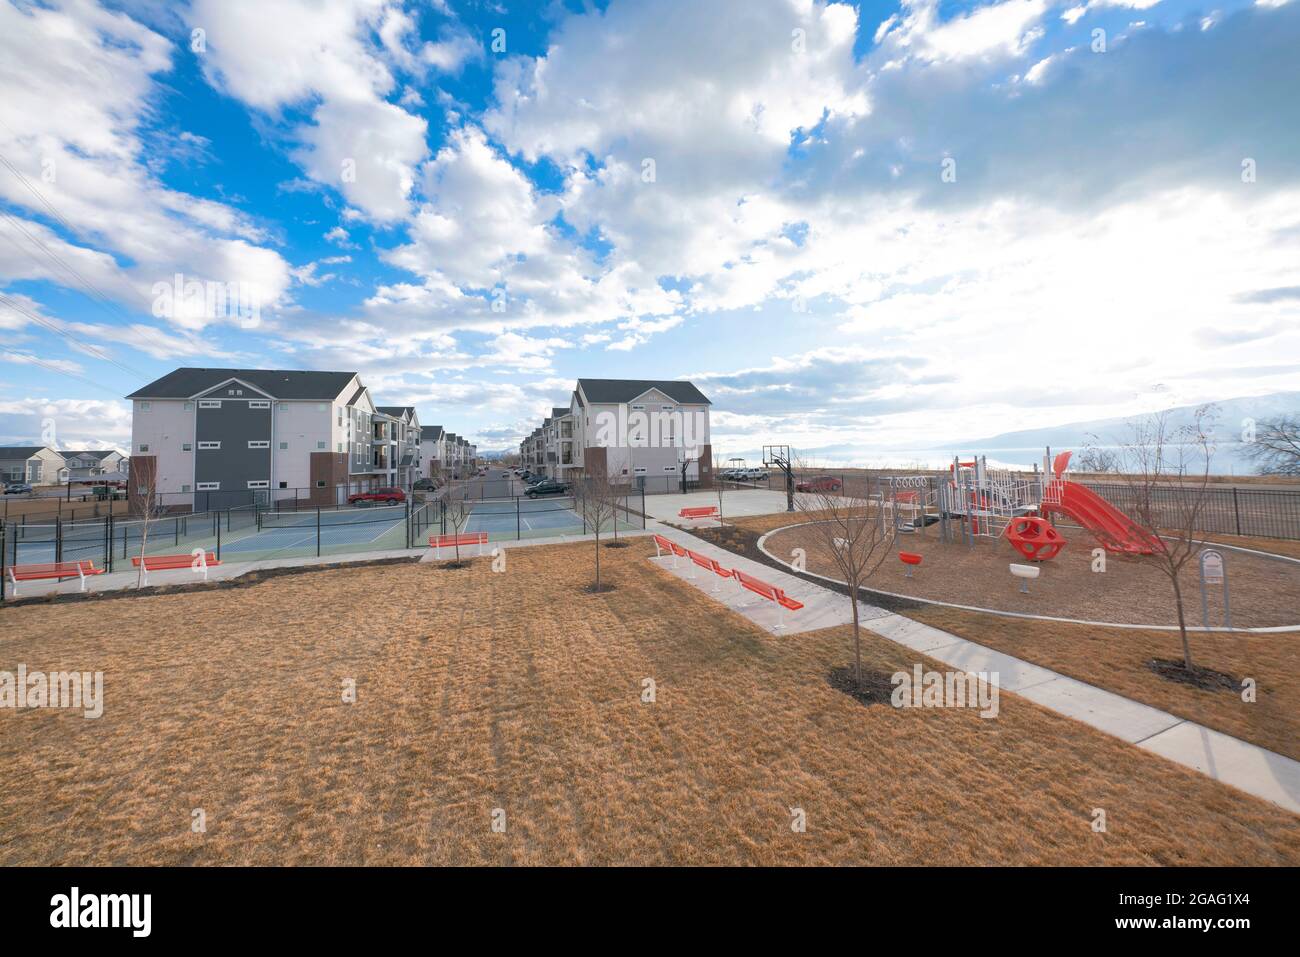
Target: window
(638, 408)
(185, 488)
(321, 445)
(209, 445)
(189, 406)
(258, 404)
(670, 468)
(144, 447)
(208, 486)
(258, 444)
(284, 485)
(284, 446)
(187, 447)
(340, 446)
(320, 483)
(283, 407)
(209, 403)
(639, 470)
(260, 483)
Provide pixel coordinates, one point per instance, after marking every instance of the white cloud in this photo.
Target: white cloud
(281, 54)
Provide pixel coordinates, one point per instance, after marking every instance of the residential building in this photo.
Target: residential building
(33, 464)
(433, 449)
(245, 435)
(400, 428)
(637, 429)
(86, 465)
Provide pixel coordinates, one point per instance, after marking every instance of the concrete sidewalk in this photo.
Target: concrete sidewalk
(823, 608)
(1247, 767)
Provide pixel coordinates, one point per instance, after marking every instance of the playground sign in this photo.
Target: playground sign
(1213, 572)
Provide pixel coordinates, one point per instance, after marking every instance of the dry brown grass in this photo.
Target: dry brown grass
(480, 690)
(1116, 659)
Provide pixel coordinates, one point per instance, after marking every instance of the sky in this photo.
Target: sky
(853, 226)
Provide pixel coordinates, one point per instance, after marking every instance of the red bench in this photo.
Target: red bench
(770, 592)
(664, 547)
(58, 570)
(439, 542)
(164, 563)
(709, 564)
(705, 511)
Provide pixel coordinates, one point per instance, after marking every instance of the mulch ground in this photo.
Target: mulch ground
(1264, 591)
(479, 690)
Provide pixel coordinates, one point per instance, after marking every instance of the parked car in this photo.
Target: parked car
(822, 483)
(385, 496)
(548, 487)
(18, 488)
(424, 485)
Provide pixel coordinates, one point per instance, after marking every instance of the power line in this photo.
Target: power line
(53, 327)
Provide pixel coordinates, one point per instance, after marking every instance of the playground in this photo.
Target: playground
(1040, 544)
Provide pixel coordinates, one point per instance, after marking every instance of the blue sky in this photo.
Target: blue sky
(855, 226)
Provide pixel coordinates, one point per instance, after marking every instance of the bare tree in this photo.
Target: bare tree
(1096, 459)
(596, 499)
(851, 533)
(456, 508)
(1275, 448)
(145, 503)
(1167, 473)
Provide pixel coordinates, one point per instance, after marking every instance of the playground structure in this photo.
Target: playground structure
(974, 501)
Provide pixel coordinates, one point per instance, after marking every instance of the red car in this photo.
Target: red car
(824, 483)
(388, 496)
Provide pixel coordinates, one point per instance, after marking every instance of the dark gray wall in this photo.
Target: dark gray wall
(234, 465)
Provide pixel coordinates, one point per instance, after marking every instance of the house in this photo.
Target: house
(246, 435)
(633, 429)
(33, 464)
(85, 465)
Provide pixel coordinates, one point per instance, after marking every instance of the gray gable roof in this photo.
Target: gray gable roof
(431, 433)
(279, 383)
(93, 453)
(396, 411)
(23, 451)
(558, 412)
(625, 390)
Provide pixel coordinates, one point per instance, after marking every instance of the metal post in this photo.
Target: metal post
(58, 539)
(1235, 509)
(3, 574)
(518, 530)
(218, 541)
(408, 522)
(108, 539)
(318, 531)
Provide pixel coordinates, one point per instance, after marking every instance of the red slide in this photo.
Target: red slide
(1115, 530)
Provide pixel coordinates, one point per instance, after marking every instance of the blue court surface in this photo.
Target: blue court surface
(296, 531)
(534, 514)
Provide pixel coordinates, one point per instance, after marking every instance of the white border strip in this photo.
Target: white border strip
(1270, 630)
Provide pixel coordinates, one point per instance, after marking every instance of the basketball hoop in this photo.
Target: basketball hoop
(778, 457)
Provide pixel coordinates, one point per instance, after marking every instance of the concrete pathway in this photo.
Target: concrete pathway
(823, 608)
(1247, 767)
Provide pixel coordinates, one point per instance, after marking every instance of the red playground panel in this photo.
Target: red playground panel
(1035, 538)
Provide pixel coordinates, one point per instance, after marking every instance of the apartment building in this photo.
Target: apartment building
(396, 438)
(245, 435)
(33, 464)
(632, 430)
(433, 449)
